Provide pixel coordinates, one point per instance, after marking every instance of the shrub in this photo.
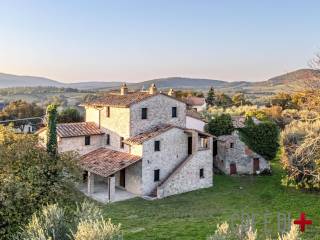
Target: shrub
(220, 125)
(86, 223)
(301, 154)
(29, 178)
(262, 138)
(246, 232)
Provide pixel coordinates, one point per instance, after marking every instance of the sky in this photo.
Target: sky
(137, 40)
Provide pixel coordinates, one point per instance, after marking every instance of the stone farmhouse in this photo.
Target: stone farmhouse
(137, 144)
(235, 157)
(196, 103)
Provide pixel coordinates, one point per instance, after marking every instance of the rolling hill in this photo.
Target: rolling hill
(291, 81)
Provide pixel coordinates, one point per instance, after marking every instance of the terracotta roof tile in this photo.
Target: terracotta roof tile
(78, 129)
(105, 162)
(117, 100)
(195, 101)
(140, 138)
(145, 136)
(196, 115)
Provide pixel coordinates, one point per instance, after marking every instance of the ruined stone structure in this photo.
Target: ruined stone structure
(235, 157)
(138, 142)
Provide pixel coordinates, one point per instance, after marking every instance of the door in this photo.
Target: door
(256, 165)
(215, 148)
(233, 168)
(123, 178)
(189, 145)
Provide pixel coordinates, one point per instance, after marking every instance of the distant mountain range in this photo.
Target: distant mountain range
(287, 82)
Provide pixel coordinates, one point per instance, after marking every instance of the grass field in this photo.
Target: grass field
(195, 215)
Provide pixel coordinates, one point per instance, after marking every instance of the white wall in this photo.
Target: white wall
(194, 123)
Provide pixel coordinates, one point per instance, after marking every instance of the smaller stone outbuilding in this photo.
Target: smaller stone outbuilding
(235, 157)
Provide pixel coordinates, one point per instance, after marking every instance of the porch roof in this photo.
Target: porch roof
(105, 162)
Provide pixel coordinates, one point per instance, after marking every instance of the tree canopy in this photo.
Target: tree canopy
(262, 138)
(69, 115)
(21, 109)
(220, 125)
(28, 178)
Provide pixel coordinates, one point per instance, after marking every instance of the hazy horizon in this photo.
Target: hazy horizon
(134, 41)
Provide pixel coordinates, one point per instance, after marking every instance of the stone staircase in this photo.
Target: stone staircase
(154, 192)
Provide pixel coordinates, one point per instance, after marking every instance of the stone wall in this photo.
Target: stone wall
(187, 177)
(134, 178)
(159, 112)
(117, 125)
(173, 149)
(239, 154)
(77, 144)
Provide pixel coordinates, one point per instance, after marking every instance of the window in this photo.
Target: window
(201, 173)
(108, 139)
(231, 145)
(156, 146)
(174, 112)
(144, 113)
(121, 142)
(156, 175)
(87, 140)
(108, 112)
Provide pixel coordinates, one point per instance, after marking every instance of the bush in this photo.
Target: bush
(29, 178)
(86, 223)
(301, 154)
(220, 125)
(262, 138)
(246, 232)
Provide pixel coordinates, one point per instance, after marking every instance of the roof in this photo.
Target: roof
(142, 137)
(226, 138)
(238, 121)
(145, 136)
(196, 115)
(65, 130)
(117, 100)
(195, 101)
(105, 162)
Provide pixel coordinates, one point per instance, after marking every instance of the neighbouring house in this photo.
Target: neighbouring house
(197, 103)
(194, 120)
(234, 156)
(137, 144)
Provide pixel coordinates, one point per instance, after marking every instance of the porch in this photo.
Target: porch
(104, 190)
(110, 176)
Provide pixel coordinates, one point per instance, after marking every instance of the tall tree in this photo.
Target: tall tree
(220, 125)
(52, 144)
(211, 97)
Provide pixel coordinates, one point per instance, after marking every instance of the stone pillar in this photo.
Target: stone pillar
(111, 188)
(90, 183)
(194, 142)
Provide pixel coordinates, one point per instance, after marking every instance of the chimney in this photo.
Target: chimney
(172, 93)
(153, 89)
(124, 89)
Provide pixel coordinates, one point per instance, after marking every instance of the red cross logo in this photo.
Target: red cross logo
(302, 221)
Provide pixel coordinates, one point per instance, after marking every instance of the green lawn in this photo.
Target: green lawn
(195, 215)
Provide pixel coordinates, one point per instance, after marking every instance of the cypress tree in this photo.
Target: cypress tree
(52, 143)
(211, 97)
